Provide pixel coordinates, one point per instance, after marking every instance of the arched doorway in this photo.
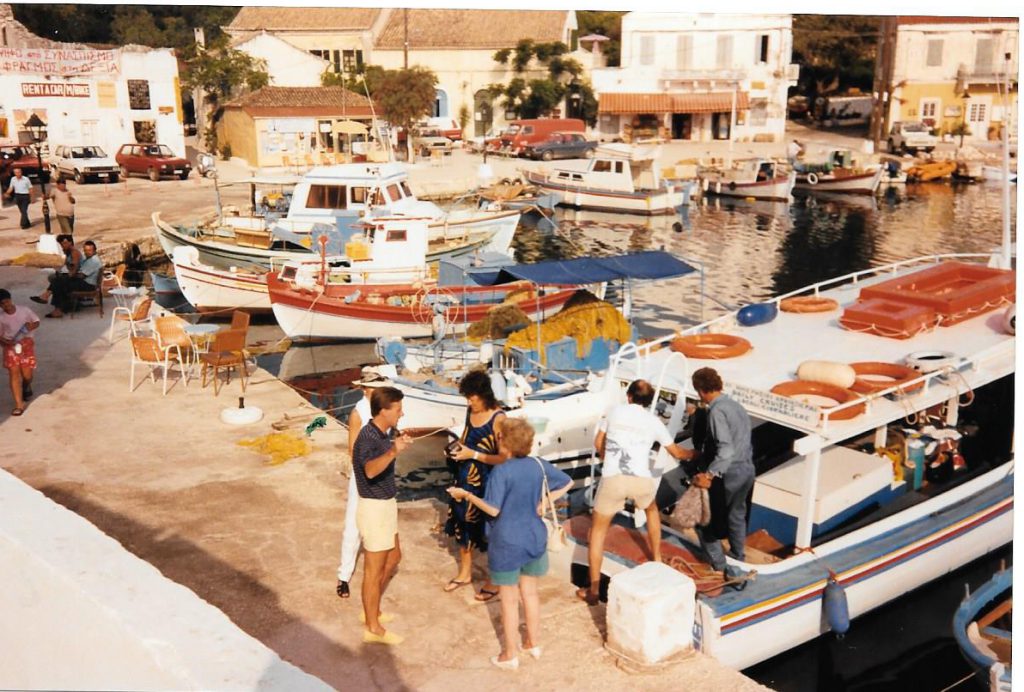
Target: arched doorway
(483, 113)
(441, 104)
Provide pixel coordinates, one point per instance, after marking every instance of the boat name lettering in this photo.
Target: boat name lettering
(773, 405)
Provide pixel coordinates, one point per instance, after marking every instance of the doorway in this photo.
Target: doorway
(682, 126)
(483, 113)
(720, 125)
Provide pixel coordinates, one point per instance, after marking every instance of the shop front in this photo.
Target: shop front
(700, 117)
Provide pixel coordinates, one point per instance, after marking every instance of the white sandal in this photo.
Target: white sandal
(511, 664)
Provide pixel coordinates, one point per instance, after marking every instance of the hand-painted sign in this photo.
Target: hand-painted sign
(59, 62)
(774, 407)
(55, 89)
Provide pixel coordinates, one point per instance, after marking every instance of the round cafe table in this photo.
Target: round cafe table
(201, 335)
(124, 295)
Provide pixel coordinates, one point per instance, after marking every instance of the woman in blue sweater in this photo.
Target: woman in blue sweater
(517, 553)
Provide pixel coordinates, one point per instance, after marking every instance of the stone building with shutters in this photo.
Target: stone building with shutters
(698, 77)
(87, 95)
(295, 126)
(952, 71)
(458, 45)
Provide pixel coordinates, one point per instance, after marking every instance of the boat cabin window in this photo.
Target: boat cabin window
(396, 236)
(406, 190)
(359, 195)
(327, 197)
(528, 130)
(619, 166)
(765, 171)
(602, 166)
(288, 273)
(394, 192)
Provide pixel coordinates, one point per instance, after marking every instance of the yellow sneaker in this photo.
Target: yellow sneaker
(388, 637)
(383, 618)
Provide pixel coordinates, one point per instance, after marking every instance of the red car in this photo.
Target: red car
(153, 160)
(14, 156)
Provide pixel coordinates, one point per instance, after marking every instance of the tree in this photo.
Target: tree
(606, 24)
(220, 72)
(835, 52)
(403, 96)
(540, 96)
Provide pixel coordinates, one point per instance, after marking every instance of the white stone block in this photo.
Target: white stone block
(650, 613)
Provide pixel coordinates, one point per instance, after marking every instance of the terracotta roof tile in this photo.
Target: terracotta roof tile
(472, 29)
(711, 102)
(285, 18)
(333, 99)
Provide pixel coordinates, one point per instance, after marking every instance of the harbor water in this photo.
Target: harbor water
(750, 251)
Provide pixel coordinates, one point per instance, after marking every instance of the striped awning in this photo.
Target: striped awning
(706, 102)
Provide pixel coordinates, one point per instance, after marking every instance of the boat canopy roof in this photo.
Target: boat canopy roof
(626, 151)
(654, 264)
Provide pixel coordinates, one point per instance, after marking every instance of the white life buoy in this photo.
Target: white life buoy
(930, 361)
(812, 178)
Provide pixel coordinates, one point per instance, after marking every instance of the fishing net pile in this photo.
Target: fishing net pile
(498, 322)
(583, 317)
(280, 446)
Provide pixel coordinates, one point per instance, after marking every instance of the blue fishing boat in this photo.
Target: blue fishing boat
(984, 633)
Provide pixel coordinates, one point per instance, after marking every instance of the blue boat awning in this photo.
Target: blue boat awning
(654, 264)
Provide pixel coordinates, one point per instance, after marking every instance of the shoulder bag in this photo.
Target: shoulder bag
(556, 534)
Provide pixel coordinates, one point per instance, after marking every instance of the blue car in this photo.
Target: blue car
(562, 145)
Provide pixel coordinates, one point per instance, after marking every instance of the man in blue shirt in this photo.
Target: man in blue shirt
(373, 463)
(727, 454)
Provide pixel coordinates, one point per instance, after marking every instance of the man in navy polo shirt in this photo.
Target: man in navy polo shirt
(373, 463)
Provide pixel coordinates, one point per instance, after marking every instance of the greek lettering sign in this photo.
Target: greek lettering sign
(59, 62)
(55, 89)
(774, 407)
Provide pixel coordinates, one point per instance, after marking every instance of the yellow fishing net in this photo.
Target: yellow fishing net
(497, 322)
(281, 446)
(584, 320)
(38, 259)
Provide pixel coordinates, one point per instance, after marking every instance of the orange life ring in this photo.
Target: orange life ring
(710, 346)
(808, 304)
(794, 388)
(896, 375)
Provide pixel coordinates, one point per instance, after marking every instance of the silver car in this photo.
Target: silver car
(83, 163)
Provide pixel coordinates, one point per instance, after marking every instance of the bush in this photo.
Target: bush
(225, 152)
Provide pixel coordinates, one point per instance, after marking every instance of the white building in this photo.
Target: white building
(87, 96)
(949, 71)
(697, 76)
(286, 64)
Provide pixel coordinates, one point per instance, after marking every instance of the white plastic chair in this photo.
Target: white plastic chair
(146, 351)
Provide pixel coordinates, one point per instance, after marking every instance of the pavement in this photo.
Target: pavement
(166, 478)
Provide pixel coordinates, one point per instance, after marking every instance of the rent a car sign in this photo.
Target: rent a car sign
(54, 89)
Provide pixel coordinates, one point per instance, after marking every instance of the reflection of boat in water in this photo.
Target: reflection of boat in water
(859, 202)
(835, 509)
(983, 631)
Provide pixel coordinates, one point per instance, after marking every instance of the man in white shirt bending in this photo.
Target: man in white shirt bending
(350, 542)
(624, 441)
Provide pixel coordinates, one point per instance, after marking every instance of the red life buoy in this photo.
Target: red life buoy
(894, 374)
(710, 346)
(808, 304)
(797, 388)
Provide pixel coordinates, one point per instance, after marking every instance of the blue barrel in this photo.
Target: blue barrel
(758, 313)
(837, 612)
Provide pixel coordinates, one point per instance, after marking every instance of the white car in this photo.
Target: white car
(911, 136)
(83, 163)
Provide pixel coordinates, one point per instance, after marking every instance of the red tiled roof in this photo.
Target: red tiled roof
(281, 101)
(710, 102)
(953, 20)
(471, 29)
(308, 18)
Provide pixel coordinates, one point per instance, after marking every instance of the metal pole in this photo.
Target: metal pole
(405, 39)
(42, 187)
(1006, 162)
(732, 122)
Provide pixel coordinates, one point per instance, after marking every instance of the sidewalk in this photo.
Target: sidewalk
(165, 478)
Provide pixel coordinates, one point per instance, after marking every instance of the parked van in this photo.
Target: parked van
(522, 133)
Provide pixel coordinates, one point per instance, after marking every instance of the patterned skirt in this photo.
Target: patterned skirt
(465, 521)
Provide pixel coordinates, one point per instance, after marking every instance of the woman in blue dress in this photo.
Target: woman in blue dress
(476, 454)
(518, 551)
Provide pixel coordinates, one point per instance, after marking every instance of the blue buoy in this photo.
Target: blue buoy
(837, 612)
(395, 352)
(758, 313)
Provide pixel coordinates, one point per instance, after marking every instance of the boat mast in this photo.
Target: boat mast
(1006, 259)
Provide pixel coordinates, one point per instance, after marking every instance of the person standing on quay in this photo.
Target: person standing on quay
(16, 326)
(20, 188)
(726, 454)
(64, 205)
(373, 464)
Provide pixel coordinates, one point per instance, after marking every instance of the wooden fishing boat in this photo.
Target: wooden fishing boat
(838, 174)
(756, 178)
(983, 630)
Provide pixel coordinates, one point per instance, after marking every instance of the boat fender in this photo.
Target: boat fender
(487, 354)
(395, 353)
(757, 313)
(1010, 320)
(930, 361)
(732, 185)
(704, 183)
(498, 386)
(838, 374)
(718, 187)
(837, 612)
(812, 178)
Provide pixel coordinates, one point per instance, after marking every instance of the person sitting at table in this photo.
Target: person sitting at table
(80, 272)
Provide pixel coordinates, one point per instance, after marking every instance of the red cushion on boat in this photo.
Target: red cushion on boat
(890, 318)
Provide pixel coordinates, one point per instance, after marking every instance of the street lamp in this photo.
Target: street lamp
(38, 129)
(574, 98)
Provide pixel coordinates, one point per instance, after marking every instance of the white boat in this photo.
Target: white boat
(618, 178)
(821, 504)
(333, 200)
(753, 177)
(995, 174)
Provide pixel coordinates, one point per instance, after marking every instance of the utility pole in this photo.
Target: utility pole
(878, 87)
(405, 41)
(891, 25)
(198, 100)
